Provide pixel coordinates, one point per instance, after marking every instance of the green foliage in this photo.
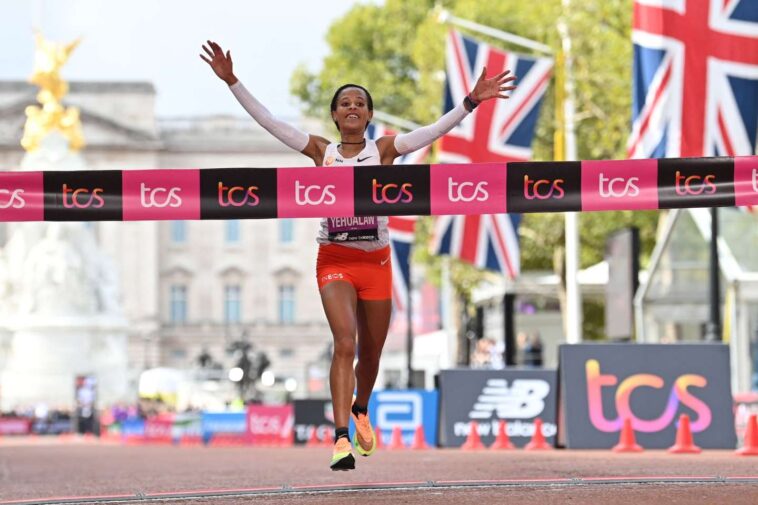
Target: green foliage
(372, 46)
(593, 325)
(397, 51)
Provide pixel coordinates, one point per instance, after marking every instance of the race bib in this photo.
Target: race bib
(349, 229)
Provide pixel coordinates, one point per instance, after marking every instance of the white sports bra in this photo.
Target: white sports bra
(365, 233)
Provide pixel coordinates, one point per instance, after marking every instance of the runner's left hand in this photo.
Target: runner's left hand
(496, 87)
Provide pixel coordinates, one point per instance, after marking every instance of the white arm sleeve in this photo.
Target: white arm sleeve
(408, 142)
(288, 134)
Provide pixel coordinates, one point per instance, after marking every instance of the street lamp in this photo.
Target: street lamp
(236, 374)
(290, 384)
(268, 378)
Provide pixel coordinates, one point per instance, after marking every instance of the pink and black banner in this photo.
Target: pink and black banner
(470, 189)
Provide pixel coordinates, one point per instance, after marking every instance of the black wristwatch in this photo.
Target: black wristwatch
(469, 104)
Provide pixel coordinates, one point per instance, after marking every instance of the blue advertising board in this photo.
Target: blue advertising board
(133, 427)
(223, 422)
(407, 410)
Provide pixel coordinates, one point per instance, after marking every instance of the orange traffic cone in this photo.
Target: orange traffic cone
(502, 441)
(538, 442)
(419, 440)
(313, 441)
(750, 444)
(397, 439)
(378, 435)
(684, 443)
(473, 442)
(627, 442)
(328, 438)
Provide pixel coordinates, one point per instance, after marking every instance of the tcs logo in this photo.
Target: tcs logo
(679, 394)
(542, 189)
(276, 425)
(314, 194)
(391, 193)
(12, 199)
(467, 191)
(159, 197)
(695, 184)
(246, 196)
(618, 187)
(82, 198)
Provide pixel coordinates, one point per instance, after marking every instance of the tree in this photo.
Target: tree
(398, 50)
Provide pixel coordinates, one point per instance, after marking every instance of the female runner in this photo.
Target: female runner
(353, 268)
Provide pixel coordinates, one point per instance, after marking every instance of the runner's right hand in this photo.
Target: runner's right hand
(221, 64)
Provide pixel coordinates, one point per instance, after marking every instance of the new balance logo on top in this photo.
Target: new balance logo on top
(525, 399)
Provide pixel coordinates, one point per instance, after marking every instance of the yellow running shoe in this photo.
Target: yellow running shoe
(364, 438)
(342, 457)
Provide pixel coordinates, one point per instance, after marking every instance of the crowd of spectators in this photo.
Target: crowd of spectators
(488, 353)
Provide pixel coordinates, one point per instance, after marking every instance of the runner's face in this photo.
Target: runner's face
(352, 113)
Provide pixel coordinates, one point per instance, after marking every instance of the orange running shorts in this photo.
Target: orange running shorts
(370, 272)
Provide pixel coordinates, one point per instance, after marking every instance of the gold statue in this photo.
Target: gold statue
(49, 57)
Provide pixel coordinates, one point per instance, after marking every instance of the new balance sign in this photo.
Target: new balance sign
(489, 396)
(524, 399)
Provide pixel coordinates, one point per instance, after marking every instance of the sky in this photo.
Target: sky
(160, 41)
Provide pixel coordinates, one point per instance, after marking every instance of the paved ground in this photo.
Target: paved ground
(87, 472)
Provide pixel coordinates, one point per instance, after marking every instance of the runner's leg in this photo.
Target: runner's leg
(373, 323)
(339, 300)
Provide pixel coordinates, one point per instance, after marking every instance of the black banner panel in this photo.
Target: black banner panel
(83, 196)
(516, 396)
(695, 182)
(651, 384)
(402, 188)
(545, 186)
(313, 415)
(238, 193)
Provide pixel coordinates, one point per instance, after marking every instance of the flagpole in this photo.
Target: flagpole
(448, 321)
(409, 336)
(571, 226)
(395, 121)
(409, 329)
(573, 294)
(444, 16)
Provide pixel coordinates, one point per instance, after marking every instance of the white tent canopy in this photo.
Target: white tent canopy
(672, 304)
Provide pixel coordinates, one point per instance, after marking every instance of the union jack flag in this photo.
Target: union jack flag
(695, 85)
(402, 229)
(498, 130)
(488, 241)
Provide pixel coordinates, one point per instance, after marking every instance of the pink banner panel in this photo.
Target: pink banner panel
(22, 196)
(164, 194)
(619, 185)
(159, 427)
(315, 192)
(746, 180)
(268, 424)
(466, 189)
(15, 426)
